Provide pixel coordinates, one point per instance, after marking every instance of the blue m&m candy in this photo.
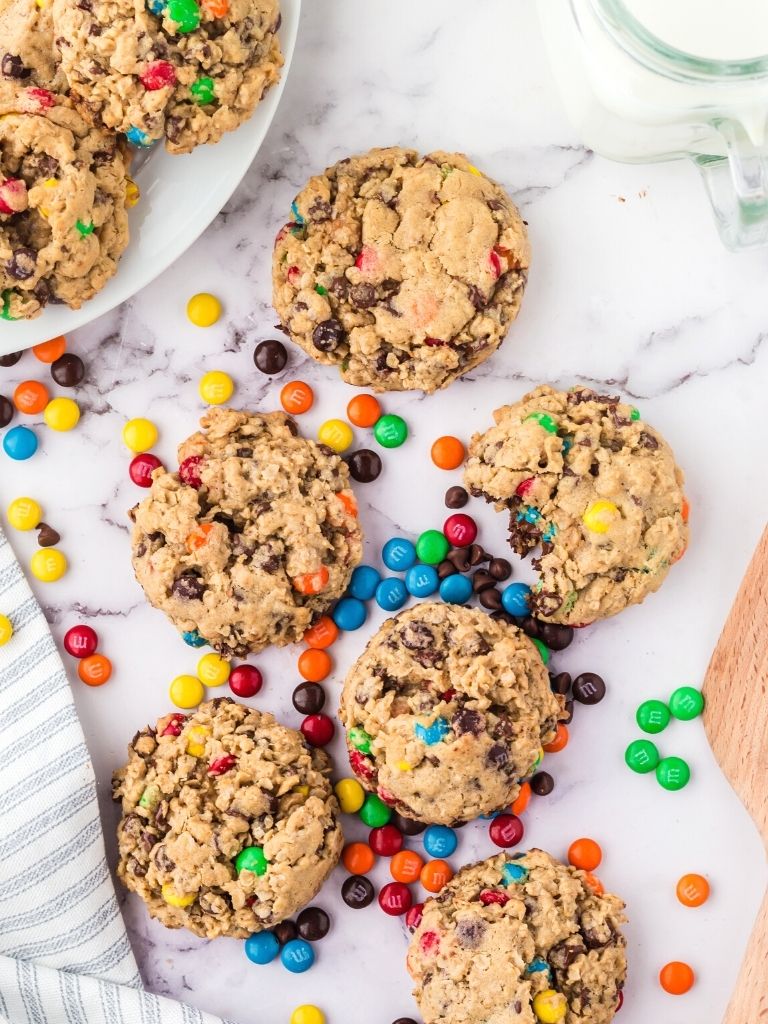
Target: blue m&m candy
(456, 589)
(138, 138)
(515, 599)
(391, 594)
(349, 613)
(440, 841)
(364, 581)
(262, 948)
(398, 554)
(422, 580)
(157, 7)
(20, 443)
(432, 734)
(193, 638)
(297, 956)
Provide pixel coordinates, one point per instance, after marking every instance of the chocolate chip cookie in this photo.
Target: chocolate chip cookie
(404, 271)
(27, 52)
(584, 478)
(446, 712)
(175, 69)
(63, 223)
(517, 940)
(229, 823)
(252, 539)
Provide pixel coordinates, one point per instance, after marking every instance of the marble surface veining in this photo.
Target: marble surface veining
(629, 290)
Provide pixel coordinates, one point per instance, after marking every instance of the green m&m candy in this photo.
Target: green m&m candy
(673, 773)
(641, 756)
(542, 648)
(85, 229)
(634, 414)
(432, 547)
(653, 716)
(202, 90)
(186, 14)
(251, 858)
(544, 420)
(360, 740)
(390, 431)
(686, 703)
(374, 813)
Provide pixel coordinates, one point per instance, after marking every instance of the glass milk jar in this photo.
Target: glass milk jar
(648, 80)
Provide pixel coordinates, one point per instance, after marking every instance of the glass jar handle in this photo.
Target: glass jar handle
(737, 184)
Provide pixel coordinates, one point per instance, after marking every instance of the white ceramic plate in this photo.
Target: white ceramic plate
(180, 196)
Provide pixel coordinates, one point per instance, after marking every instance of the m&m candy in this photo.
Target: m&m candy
(297, 397)
(324, 633)
(336, 434)
(6, 630)
(262, 948)
(395, 898)
(140, 434)
(95, 670)
(315, 665)
(460, 530)
(213, 670)
(506, 830)
(251, 858)
(364, 411)
(673, 773)
(386, 840)
(186, 691)
(642, 756)
(435, 874)
(406, 866)
(349, 613)
(245, 681)
(20, 443)
(653, 716)
(440, 841)
(203, 90)
(550, 1006)
(398, 554)
(692, 890)
(676, 978)
(391, 594)
(364, 581)
(24, 514)
(374, 813)
(307, 1014)
(142, 467)
(432, 547)
(81, 641)
(186, 14)
(317, 730)
(30, 397)
(456, 589)
(50, 351)
(297, 956)
(203, 309)
(686, 703)
(48, 565)
(390, 431)
(448, 453)
(599, 516)
(192, 638)
(585, 854)
(216, 387)
(358, 858)
(422, 580)
(350, 795)
(515, 599)
(62, 414)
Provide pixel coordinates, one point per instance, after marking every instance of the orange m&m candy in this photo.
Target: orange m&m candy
(94, 670)
(324, 633)
(406, 866)
(358, 858)
(363, 411)
(315, 665)
(585, 854)
(348, 501)
(312, 582)
(686, 510)
(198, 537)
(676, 978)
(216, 8)
(448, 452)
(50, 351)
(297, 397)
(523, 799)
(560, 742)
(594, 883)
(30, 397)
(693, 890)
(435, 874)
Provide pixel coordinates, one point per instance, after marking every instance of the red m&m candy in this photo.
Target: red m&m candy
(189, 470)
(506, 830)
(395, 898)
(460, 530)
(317, 730)
(142, 467)
(158, 75)
(413, 916)
(81, 641)
(245, 681)
(386, 840)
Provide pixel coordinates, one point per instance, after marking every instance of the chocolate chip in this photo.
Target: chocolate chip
(313, 924)
(364, 465)
(47, 536)
(490, 599)
(285, 932)
(555, 636)
(456, 497)
(407, 826)
(417, 637)
(11, 359)
(308, 698)
(22, 264)
(270, 357)
(481, 580)
(459, 559)
(648, 440)
(357, 892)
(328, 335)
(500, 569)
(446, 568)
(68, 370)
(406, 1020)
(12, 66)
(467, 721)
(568, 712)
(542, 783)
(470, 931)
(588, 688)
(362, 295)
(477, 555)
(6, 411)
(560, 683)
(497, 756)
(188, 587)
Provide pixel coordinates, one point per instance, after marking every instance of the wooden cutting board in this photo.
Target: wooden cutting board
(736, 722)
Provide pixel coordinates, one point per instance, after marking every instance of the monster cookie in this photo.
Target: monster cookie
(180, 69)
(446, 712)
(253, 538)
(405, 271)
(27, 53)
(229, 824)
(519, 940)
(597, 488)
(63, 225)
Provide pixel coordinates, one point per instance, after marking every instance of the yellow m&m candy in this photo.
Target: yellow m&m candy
(140, 435)
(62, 414)
(216, 387)
(24, 514)
(213, 670)
(350, 794)
(48, 565)
(177, 899)
(196, 740)
(186, 691)
(599, 516)
(307, 1014)
(203, 309)
(336, 434)
(549, 1006)
(6, 630)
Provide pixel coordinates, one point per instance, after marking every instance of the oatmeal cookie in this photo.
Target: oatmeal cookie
(27, 52)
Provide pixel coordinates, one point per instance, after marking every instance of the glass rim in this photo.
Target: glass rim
(642, 44)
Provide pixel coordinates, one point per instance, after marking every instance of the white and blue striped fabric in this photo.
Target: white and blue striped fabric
(64, 952)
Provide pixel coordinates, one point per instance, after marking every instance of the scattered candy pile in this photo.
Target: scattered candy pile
(292, 942)
(187, 691)
(82, 643)
(653, 716)
(47, 564)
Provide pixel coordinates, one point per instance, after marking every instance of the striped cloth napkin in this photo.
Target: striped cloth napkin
(64, 952)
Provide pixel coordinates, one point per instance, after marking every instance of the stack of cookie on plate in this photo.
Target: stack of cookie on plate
(80, 83)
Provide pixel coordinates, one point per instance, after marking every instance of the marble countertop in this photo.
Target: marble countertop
(630, 290)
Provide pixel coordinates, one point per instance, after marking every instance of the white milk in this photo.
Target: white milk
(715, 29)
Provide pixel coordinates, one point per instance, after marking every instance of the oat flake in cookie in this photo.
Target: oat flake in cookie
(598, 489)
(505, 931)
(253, 538)
(180, 69)
(63, 224)
(229, 823)
(446, 711)
(404, 271)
